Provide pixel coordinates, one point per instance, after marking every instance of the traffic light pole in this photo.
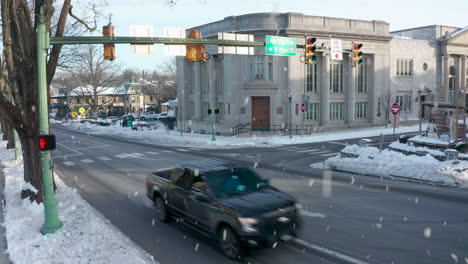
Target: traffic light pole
(52, 222)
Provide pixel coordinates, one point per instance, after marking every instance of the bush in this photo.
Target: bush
(463, 147)
(171, 121)
(404, 139)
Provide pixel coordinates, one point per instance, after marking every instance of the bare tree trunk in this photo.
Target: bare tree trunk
(8, 135)
(32, 167)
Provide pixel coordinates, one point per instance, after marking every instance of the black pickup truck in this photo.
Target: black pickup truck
(228, 202)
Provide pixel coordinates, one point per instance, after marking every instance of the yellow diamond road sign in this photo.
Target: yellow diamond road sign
(82, 110)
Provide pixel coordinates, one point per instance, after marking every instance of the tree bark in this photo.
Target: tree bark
(32, 167)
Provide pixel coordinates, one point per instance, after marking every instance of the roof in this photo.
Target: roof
(209, 165)
(89, 90)
(459, 32)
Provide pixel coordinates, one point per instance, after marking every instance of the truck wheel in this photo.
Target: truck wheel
(161, 210)
(142, 118)
(229, 243)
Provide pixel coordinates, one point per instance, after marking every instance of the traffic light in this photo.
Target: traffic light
(216, 111)
(109, 49)
(357, 54)
(196, 52)
(209, 111)
(310, 49)
(46, 142)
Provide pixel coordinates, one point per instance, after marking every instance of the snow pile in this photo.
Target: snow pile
(173, 137)
(412, 148)
(429, 140)
(394, 164)
(85, 237)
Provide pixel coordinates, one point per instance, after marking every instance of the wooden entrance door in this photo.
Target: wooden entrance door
(260, 112)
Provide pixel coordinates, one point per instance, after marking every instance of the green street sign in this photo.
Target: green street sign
(280, 46)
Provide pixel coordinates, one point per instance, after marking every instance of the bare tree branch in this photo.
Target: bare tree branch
(82, 21)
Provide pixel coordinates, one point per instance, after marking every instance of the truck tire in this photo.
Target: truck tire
(229, 243)
(142, 118)
(161, 210)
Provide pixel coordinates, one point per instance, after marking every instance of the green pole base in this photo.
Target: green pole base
(51, 228)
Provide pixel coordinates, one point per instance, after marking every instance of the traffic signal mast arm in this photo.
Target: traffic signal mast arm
(150, 40)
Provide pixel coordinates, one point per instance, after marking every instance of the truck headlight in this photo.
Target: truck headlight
(248, 224)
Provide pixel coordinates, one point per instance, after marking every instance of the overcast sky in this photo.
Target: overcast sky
(400, 14)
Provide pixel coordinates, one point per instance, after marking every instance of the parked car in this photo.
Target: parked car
(162, 115)
(226, 201)
(149, 115)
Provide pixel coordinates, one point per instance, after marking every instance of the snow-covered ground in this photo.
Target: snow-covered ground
(85, 237)
(394, 164)
(161, 136)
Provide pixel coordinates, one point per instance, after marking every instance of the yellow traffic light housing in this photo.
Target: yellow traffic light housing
(196, 52)
(357, 54)
(109, 49)
(310, 50)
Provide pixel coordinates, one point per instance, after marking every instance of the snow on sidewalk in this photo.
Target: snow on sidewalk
(160, 136)
(394, 164)
(85, 237)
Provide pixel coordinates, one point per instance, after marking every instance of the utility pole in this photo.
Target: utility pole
(52, 222)
(290, 112)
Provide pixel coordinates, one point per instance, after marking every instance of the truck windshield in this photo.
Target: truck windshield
(234, 182)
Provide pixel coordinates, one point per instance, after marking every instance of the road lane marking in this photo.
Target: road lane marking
(104, 146)
(310, 214)
(152, 152)
(89, 140)
(329, 154)
(121, 156)
(288, 148)
(87, 161)
(184, 150)
(104, 158)
(323, 250)
(168, 151)
(198, 149)
(308, 150)
(338, 143)
(67, 156)
(69, 163)
(137, 154)
(320, 152)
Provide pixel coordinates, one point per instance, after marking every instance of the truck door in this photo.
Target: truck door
(181, 191)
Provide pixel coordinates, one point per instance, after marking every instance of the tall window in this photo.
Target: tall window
(261, 68)
(204, 78)
(270, 68)
(78, 100)
(220, 77)
(336, 111)
(404, 100)
(336, 77)
(451, 91)
(191, 112)
(190, 77)
(205, 110)
(404, 67)
(361, 77)
(257, 68)
(311, 77)
(361, 110)
(222, 111)
(312, 112)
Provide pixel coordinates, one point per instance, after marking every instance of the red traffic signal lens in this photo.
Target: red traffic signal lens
(46, 142)
(357, 46)
(311, 41)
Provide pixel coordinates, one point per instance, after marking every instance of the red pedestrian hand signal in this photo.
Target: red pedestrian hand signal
(42, 143)
(46, 142)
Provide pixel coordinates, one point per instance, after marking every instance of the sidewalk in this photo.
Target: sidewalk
(3, 243)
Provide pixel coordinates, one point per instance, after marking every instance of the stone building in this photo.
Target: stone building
(253, 90)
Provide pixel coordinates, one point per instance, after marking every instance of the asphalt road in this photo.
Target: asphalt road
(364, 218)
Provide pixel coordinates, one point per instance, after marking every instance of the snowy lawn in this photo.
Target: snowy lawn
(394, 164)
(85, 237)
(161, 136)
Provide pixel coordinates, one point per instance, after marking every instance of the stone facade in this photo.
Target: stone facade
(337, 95)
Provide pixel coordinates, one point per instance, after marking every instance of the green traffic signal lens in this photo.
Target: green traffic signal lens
(312, 58)
(359, 62)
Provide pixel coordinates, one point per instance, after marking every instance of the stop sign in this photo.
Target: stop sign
(395, 109)
(303, 108)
